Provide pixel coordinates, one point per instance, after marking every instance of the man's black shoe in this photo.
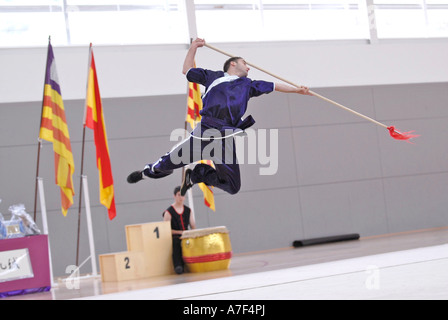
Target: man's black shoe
(186, 182)
(179, 270)
(135, 177)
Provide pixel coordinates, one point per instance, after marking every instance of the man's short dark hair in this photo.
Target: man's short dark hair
(228, 62)
(176, 190)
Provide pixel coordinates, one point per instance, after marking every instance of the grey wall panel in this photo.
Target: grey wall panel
(411, 101)
(344, 208)
(416, 202)
(17, 181)
(18, 125)
(336, 153)
(312, 111)
(143, 117)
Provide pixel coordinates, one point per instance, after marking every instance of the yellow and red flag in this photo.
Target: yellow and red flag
(194, 104)
(53, 128)
(94, 120)
(209, 199)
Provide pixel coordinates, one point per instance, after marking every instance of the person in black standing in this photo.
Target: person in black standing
(181, 218)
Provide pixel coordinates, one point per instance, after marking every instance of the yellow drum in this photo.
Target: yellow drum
(207, 249)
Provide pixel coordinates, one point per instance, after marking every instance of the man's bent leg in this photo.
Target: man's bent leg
(225, 177)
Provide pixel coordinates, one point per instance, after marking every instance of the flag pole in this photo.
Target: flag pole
(39, 144)
(82, 160)
(186, 114)
(190, 191)
(80, 193)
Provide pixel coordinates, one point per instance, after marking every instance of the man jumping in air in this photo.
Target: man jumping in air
(225, 100)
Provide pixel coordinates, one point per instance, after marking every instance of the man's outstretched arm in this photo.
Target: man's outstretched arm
(281, 87)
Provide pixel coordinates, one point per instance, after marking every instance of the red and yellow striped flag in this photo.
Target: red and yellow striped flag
(209, 199)
(95, 121)
(53, 128)
(193, 117)
(194, 104)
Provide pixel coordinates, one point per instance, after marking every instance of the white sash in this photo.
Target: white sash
(226, 78)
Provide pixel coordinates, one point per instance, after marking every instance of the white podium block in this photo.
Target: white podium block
(122, 266)
(155, 241)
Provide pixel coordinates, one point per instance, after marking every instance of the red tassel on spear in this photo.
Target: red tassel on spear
(393, 133)
(401, 135)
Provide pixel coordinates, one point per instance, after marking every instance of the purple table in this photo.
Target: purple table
(32, 273)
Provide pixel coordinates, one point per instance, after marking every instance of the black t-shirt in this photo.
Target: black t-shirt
(179, 221)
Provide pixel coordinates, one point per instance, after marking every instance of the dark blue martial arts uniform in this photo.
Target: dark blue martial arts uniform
(224, 104)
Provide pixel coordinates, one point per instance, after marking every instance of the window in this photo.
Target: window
(228, 21)
(126, 21)
(437, 18)
(411, 18)
(30, 22)
(77, 22)
(260, 20)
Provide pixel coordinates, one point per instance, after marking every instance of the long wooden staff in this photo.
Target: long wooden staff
(394, 133)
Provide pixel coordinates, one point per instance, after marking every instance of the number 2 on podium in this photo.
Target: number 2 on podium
(127, 266)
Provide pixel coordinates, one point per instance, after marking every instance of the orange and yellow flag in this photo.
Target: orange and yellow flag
(53, 128)
(194, 104)
(95, 120)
